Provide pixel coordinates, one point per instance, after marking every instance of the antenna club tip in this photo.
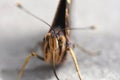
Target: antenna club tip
(18, 4)
(93, 27)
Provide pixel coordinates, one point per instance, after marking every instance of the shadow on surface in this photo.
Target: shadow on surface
(43, 72)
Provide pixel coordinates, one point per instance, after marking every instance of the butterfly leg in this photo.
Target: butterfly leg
(33, 54)
(75, 62)
(85, 50)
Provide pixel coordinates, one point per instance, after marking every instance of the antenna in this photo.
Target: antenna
(28, 12)
(83, 28)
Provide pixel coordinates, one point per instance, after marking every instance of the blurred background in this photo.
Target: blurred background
(20, 33)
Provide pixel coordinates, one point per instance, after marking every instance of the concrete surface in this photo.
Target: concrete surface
(20, 33)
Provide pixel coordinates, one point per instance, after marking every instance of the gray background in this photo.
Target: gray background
(20, 33)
